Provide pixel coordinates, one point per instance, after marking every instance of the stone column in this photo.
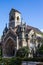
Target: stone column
(17, 43)
(28, 42)
(23, 38)
(3, 49)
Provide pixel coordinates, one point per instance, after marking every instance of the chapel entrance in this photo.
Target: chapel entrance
(10, 48)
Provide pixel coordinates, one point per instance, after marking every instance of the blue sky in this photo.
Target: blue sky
(32, 12)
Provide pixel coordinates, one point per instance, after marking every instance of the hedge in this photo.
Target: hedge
(18, 60)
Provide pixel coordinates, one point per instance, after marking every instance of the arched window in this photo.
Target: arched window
(11, 18)
(17, 18)
(20, 43)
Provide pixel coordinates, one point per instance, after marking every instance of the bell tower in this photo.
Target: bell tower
(14, 18)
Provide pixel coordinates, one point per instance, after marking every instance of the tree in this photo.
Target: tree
(40, 51)
(22, 52)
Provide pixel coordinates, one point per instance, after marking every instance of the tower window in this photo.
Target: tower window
(12, 18)
(18, 18)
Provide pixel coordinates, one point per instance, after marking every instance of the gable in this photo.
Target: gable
(10, 34)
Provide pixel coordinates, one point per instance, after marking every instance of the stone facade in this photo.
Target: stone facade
(17, 35)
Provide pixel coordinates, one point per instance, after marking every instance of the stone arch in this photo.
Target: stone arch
(10, 46)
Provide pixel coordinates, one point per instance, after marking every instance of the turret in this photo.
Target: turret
(5, 30)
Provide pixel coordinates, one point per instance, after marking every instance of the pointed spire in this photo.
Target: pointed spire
(6, 25)
(21, 21)
(6, 29)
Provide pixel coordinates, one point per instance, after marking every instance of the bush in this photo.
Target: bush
(22, 52)
(11, 61)
(36, 59)
(18, 60)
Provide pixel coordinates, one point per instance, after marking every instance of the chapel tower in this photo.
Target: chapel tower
(14, 18)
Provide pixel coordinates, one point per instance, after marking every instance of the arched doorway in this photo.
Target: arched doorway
(10, 47)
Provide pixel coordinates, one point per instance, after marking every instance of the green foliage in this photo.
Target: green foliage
(11, 61)
(17, 60)
(22, 52)
(35, 59)
(0, 51)
(40, 50)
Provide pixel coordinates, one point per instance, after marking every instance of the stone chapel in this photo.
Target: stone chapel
(18, 35)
